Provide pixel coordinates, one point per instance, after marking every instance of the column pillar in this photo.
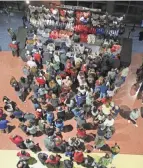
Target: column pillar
(110, 6)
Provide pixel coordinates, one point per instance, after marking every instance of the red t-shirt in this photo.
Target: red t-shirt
(81, 133)
(15, 46)
(41, 81)
(78, 157)
(38, 114)
(55, 161)
(37, 57)
(16, 140)
(19, 154)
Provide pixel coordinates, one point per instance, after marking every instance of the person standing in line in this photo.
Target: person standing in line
(134, 115)
(115, 150)
(4, 127)
(14, 48)
(38, 59)
(11, 34)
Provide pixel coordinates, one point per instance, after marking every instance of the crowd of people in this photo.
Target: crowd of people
(74, 83)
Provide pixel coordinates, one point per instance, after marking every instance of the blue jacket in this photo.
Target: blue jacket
(100, 31)
(18, 114)
(69, 154)
(50, 117)
(76, 113)
(59, 124)
(103, 89)
(80, 99)
(3, 124)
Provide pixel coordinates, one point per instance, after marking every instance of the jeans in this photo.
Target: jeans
(123, 78)
(102, 95)
(113, 155)
(97, 89)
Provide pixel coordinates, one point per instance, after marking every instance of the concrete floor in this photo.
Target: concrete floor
(13, 21)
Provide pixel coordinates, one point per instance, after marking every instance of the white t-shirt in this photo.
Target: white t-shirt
(106, 110)
(31, 64)
(110, 93)
(56, 58)
(109, 123)
(81, 48)
(124, 72)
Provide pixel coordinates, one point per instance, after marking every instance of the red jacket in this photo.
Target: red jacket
(17, 140)
(37, 57)
(19, 154)
(14, 46)
(81, 133)
(78, 157)
(41, 81)
(38, 114)
(54, 162)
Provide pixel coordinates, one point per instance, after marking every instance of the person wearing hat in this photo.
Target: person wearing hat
(14, 47)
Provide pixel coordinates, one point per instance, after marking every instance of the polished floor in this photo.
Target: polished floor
(119, 161)
(127, 135)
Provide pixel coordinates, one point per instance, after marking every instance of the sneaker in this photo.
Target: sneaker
(136, 125)
(129, 121)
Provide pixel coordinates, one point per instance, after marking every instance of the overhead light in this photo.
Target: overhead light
(27, 1)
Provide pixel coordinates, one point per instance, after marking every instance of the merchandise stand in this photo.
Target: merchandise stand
(82, 24)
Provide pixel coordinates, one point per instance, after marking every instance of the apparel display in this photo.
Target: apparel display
(65, 21)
